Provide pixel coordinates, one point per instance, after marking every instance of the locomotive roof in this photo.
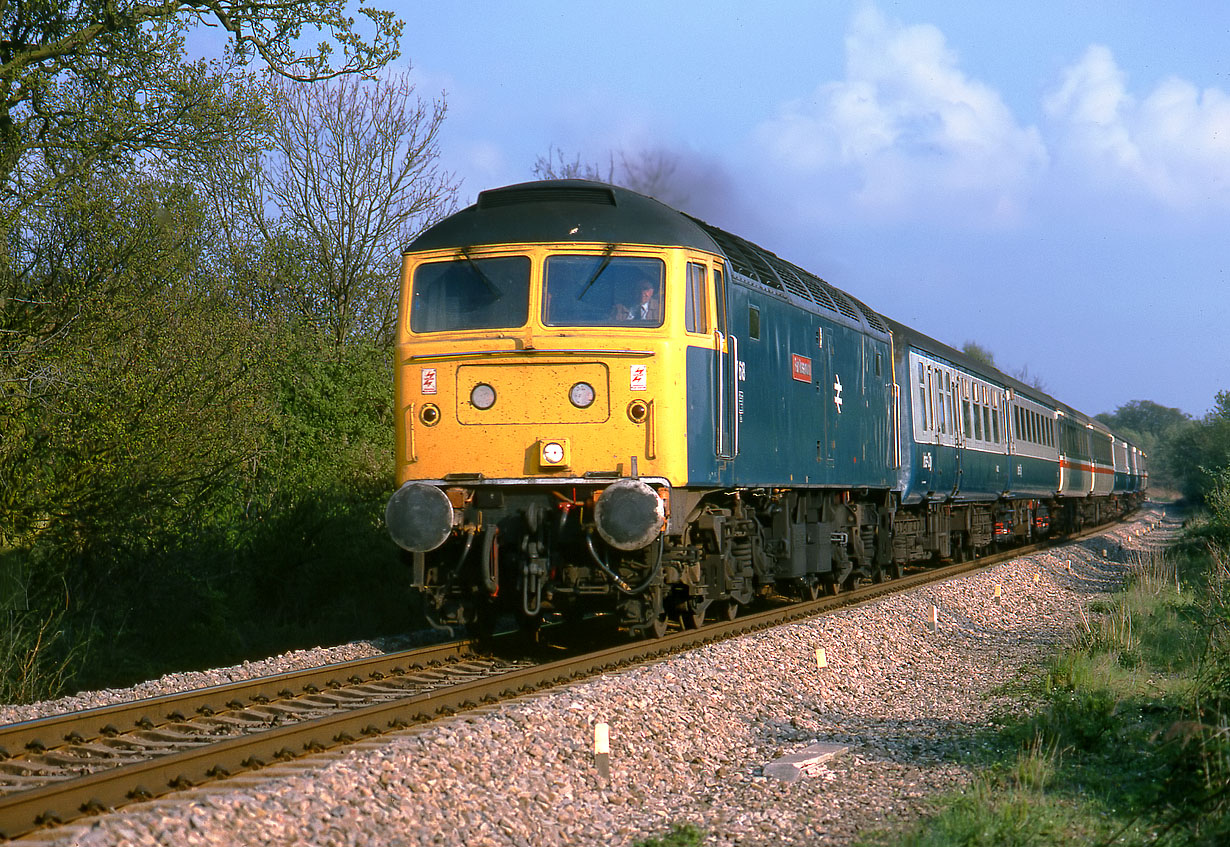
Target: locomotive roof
(564, 210)
(579, 210)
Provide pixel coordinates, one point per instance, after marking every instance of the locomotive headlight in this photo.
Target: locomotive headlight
(554, 453)
(483, 396)
(582, 395)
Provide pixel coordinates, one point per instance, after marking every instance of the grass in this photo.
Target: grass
(1127, 740)
(680, 835)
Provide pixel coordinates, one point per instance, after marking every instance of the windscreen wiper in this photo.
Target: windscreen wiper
(496, 291)
(606, 260)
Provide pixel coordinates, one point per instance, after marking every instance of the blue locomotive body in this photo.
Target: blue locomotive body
(748, 428)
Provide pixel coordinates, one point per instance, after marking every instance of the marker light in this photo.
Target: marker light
(483, 396)
(581, 395)
(553, 453)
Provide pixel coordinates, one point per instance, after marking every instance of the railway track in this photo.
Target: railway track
(57, 769)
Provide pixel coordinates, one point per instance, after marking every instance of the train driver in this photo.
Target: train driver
(644, 305)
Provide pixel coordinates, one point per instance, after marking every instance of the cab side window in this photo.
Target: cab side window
(696, 317)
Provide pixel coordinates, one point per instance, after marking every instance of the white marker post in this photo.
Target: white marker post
(602, 750)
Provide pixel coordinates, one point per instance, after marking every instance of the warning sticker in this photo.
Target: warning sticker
(801, 367)
(638, 377)
(429, 381)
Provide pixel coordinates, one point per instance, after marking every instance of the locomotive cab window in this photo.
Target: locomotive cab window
(695, 310)
(470, 294)
(603, 291)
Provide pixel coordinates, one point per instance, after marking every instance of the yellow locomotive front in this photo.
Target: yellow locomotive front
(542, 408)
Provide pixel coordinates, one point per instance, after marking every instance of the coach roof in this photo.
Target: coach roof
(563, 210)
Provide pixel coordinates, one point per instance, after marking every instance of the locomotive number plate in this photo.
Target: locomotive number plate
(800, 367)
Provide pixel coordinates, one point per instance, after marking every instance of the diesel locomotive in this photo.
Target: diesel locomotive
(607, 406)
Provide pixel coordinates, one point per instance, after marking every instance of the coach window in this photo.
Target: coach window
(695, 317)
(995, 423)
(969, 419)
(922, 393)
(954, 415)
(930, 399)
(941, 400)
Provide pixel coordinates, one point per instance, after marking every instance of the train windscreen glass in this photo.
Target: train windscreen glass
(603, 291)
(471, 294)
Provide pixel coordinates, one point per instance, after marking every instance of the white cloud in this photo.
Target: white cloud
(1174, 143)
(907, 130)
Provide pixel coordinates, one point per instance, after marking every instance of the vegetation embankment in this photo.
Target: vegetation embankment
(1124, 737)
(197, 301)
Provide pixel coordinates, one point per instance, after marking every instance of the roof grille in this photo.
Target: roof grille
(872, 318)
(842, 301)
(776, 272)
(498, 197)
(744, 256)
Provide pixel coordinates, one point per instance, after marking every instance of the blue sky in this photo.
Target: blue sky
(1048, 179)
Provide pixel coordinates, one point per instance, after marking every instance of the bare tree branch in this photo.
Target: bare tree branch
(356, 176)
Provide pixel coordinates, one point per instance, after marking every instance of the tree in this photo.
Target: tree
(555, 165)
(355, 175)
(978, 353)
(68, 118)
(1146, 418)
(47, 48)
(652, 172)
(1153, 428)
(1195, 454)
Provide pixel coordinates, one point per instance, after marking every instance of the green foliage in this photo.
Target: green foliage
(1134, 752)
(978, 353)
(194, 469)
(1197, 453)
(1151, 427)
(680, 835)
(1217, 499)
(69, 52)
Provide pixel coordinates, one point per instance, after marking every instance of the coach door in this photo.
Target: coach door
(728, 399)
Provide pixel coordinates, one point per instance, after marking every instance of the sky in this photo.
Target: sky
(1050, 179)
